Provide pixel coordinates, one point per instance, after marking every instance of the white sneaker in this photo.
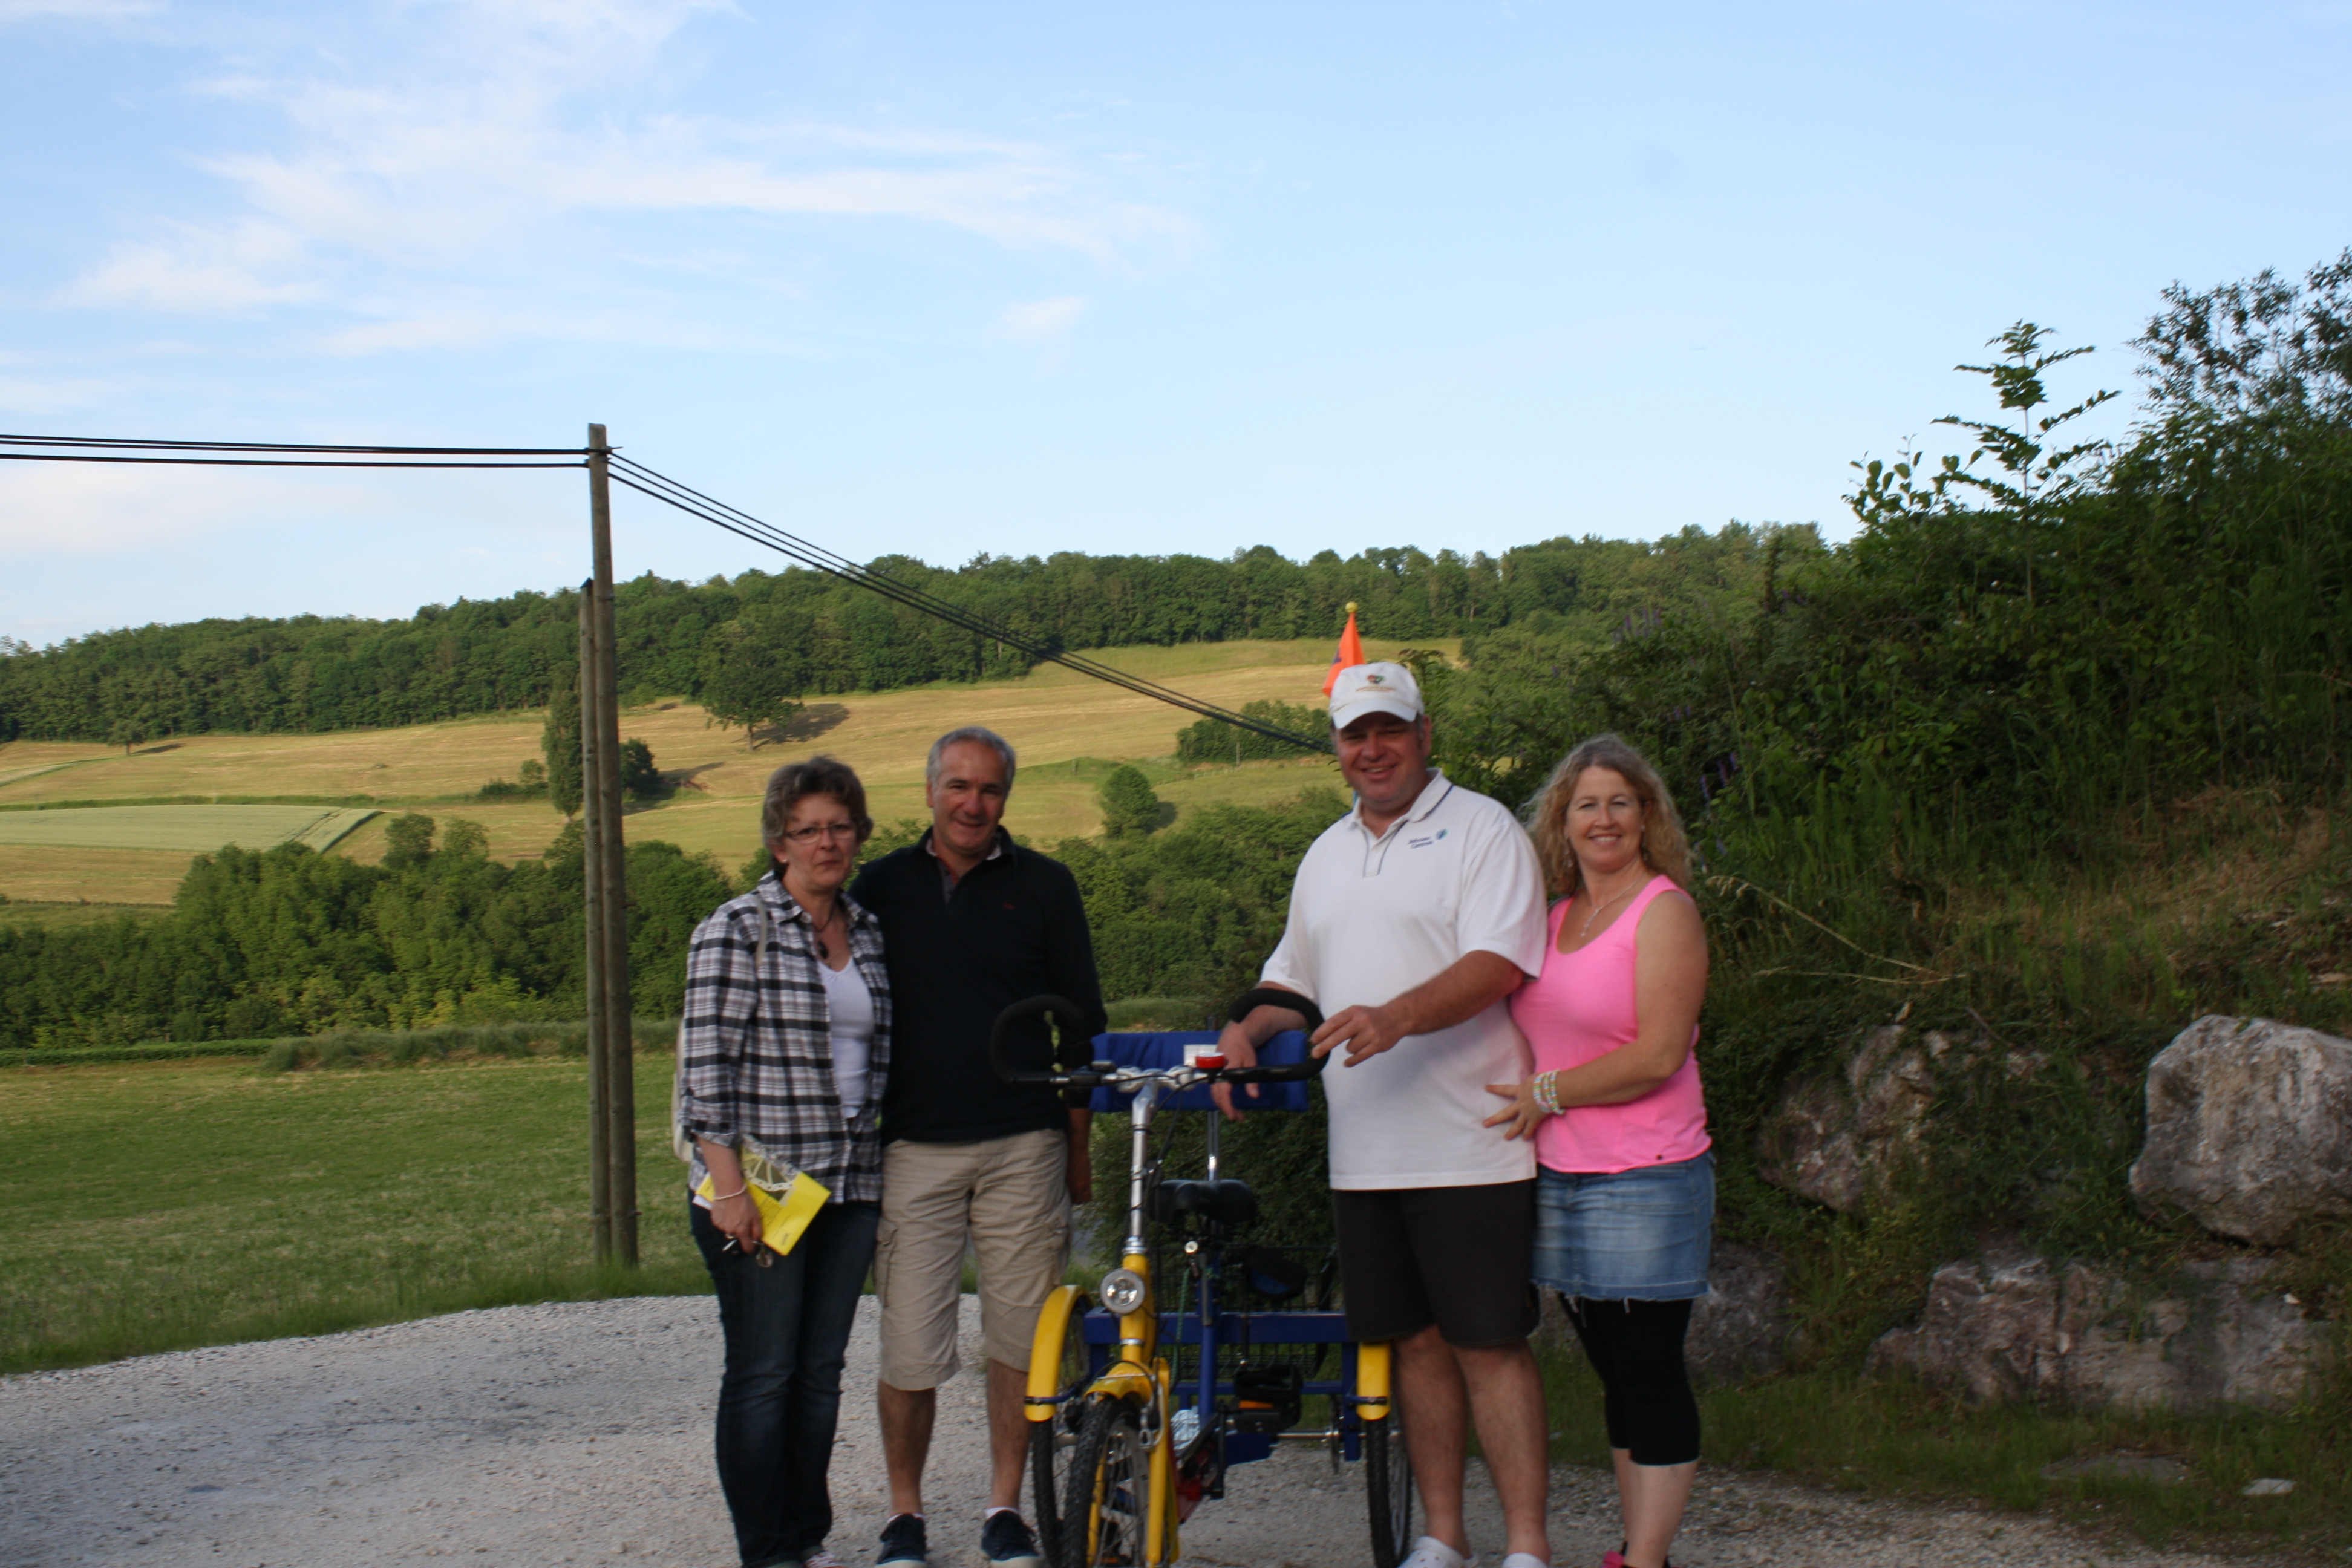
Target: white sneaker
(1430, 1552)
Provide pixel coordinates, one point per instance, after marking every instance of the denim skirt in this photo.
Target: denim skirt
(1640, 1235)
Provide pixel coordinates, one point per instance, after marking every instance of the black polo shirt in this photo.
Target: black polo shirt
(1013, 927)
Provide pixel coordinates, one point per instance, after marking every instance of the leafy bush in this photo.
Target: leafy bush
(1130, 804)
(1214, 741)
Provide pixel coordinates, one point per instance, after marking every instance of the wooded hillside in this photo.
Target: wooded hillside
(810, 635)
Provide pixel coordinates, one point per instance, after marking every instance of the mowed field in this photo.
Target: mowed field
(1066, 727)
(182, 830)
(251, 1204)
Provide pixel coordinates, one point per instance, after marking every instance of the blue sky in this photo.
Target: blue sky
(952, 278)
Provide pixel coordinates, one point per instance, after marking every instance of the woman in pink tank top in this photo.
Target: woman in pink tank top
(1625, 1181)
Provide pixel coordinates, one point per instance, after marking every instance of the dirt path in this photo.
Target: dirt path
(581, 1434)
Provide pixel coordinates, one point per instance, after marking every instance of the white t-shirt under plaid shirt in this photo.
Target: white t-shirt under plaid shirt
(755, 1051)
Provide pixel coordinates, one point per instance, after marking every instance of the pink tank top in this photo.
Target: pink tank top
(1581, 1008)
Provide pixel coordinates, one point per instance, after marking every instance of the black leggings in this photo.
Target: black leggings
(1637, 1349)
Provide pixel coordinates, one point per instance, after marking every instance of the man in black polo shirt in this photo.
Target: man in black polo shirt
(970, 923)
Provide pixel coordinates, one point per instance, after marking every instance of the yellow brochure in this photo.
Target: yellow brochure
(782, 1220)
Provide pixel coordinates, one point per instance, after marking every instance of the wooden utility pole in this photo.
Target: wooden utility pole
(592, 867)
(620, 1055)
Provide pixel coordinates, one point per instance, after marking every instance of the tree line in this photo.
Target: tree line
(749, 646)
(282, 942)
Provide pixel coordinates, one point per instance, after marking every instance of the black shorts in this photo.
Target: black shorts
(1460, 1257)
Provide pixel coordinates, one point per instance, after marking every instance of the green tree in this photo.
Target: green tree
(2041, 474)
(408, 841)
(751, 679)
(1130, 804)
(1214, 741)
(2264, 348)
(560, 742)
(640, 780)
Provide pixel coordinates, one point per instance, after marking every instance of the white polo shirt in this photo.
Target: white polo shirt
(1373, 917)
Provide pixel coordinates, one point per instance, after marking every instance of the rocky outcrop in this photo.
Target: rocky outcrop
(2016, 1327)
(1847, 1138)
(2249, 1129)
(1837, 1140)
(1740, 1327)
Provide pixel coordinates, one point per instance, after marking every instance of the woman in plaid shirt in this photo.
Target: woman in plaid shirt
(782, 1057)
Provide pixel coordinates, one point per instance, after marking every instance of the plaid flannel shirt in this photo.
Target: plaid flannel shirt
(755, 1054)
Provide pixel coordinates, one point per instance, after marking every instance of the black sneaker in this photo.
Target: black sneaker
(1006, 1542)
(902, 1542)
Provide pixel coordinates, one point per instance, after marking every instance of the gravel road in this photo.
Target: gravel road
(580, 1433)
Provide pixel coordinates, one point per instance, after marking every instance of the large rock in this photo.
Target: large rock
(1740, 1327)
(1738, 1331)
(2014, 1327)
(1844, 1139)
(2249, 1129)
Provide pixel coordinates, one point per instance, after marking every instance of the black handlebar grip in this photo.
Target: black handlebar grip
(1275, 996)
(1065, 1012)
(1290, 1072)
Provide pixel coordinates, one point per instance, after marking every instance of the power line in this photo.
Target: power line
(734, 520)
(285, 454)
(273, 462)
(645, 481)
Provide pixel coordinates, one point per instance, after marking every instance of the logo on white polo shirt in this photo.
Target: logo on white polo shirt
(1425, 843)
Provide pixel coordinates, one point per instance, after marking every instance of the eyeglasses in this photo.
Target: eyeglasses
(823, 829)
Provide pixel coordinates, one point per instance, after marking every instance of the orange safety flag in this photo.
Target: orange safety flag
(1350, 653)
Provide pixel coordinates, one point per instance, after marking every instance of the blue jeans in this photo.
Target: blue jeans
(787, 1331)
(1641, 1235)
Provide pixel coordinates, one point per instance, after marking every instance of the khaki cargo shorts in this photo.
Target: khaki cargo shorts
(1010, 1197)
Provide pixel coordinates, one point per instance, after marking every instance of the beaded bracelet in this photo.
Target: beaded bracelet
(1547, 1093)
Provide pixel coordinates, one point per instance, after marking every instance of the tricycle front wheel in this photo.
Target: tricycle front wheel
(1388, 1487)
(1107, 1495)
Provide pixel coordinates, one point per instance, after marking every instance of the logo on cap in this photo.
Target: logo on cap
(1374, 679)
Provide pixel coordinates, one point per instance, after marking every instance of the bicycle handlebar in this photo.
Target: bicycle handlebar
(1073, 1025)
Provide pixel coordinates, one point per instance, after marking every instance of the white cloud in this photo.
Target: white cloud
(198, 269)
(492, 160)
(104, 508)
(1040, 321)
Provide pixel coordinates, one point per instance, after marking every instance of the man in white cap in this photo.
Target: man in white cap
(1411, 918)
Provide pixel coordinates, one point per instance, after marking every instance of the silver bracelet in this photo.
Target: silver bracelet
(722, 1197)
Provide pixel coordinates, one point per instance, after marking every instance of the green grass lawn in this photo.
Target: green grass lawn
(1893, 1436)
(152, 1207)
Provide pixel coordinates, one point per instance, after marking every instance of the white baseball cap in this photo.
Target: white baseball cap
(1382, 687)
